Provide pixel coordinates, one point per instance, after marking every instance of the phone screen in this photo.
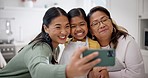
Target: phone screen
(107, 56)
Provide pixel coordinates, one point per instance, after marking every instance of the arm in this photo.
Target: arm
(81, 66)
(39, 65)
(134, 66)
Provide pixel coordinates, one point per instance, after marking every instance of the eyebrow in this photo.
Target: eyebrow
(99, 19)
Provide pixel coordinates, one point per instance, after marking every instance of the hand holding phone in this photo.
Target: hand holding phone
(107, 56)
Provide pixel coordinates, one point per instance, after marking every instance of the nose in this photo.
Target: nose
(78, 28)
(64, 31)
(102, 24)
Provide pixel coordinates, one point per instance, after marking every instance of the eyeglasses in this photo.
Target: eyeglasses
(104, 20)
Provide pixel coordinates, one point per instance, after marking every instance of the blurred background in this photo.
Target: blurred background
(21, 20)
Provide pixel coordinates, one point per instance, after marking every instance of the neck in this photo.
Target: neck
(55, 45)
(79, 40)
(104, 43)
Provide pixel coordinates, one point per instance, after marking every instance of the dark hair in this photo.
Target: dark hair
(50, 14)
(76, 12)
(116, 32)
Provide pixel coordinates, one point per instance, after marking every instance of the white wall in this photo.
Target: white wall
(125, 13)
(28, 21)
(26, 24)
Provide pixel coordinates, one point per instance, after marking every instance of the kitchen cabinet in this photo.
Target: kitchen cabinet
(143, 11)
(142, 25)
(142, 21)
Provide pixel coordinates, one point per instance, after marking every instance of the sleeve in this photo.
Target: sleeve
(134, 65)
(38, 63)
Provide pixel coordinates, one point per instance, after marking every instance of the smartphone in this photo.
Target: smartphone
(107, 56)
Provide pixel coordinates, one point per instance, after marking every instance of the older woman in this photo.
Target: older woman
(129, 62)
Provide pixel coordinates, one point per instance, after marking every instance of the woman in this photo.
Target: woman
(38, 58)
(129, 62)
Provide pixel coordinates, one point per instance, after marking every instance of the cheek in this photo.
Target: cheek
(72, 32)
(86, 29)
(68, 31)
(111, 28)
(92, 31)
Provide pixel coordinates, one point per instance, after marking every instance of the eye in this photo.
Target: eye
(57, 26)
(82, 24)
(94, 23)
(67, 26)
(104, 19)
(73, 26)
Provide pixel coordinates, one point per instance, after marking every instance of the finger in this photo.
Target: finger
(96, 73)
(79, 51)
(88, 66)
(89, 57)
(99, 69)
(102, 76)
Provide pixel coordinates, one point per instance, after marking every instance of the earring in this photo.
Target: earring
(114, 29)
(93, 37)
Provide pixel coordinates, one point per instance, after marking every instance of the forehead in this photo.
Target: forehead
(60, 19)
(97, 15)
(77, 19)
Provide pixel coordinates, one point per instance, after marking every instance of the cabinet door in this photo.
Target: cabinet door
(143, 11)
(145, 7)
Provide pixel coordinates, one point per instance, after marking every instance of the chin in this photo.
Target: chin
(62, 42)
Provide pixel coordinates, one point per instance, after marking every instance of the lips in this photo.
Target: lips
(62, 37)
(103, 30)
(80, 34)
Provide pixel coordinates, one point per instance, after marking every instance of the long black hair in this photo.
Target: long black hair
(116, 32)
(50, 14)
(76, 12)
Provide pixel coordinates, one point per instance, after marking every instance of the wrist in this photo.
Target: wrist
(68, 73)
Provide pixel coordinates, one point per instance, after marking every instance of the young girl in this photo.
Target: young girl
(78, 35)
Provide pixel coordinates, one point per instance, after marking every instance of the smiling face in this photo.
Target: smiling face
(58, 30)
(79, 28)
(101, 26)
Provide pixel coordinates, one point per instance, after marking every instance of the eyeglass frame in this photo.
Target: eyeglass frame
(98, 22)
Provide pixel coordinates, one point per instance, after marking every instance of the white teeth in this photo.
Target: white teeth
(62, 36)
(79, 34)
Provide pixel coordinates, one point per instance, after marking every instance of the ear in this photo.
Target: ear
(91, 32)
(45, 28)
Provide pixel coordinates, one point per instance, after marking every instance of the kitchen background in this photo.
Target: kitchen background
(21, 20)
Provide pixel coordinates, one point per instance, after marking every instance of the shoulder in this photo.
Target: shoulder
(39, 48)
(125, 42)
(93, 44)
(67, 41)
(128, 38)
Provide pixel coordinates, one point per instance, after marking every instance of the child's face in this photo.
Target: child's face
(58, 30)
(79, 28)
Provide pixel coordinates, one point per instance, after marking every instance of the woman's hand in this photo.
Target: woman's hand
(98, 72)
(81, 66)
